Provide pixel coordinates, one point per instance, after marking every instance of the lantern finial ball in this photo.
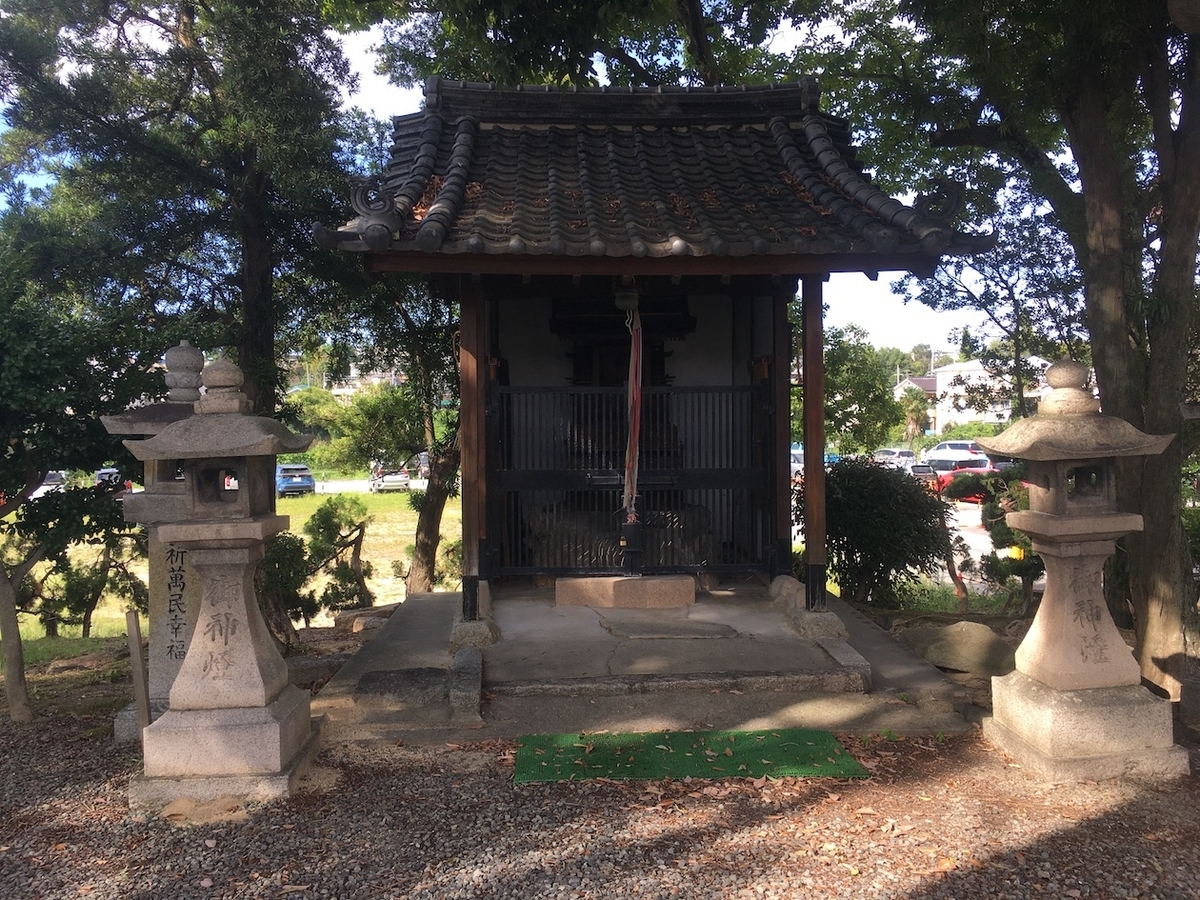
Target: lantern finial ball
(1067, 373)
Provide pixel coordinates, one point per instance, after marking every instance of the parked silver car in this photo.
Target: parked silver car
(389, 479)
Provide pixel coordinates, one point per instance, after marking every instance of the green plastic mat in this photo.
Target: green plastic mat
(778, 753)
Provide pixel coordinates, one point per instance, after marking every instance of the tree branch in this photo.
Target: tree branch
(691, 16)
(618, 54)
(1043, 172)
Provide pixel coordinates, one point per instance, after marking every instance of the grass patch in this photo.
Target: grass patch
(45, 649)
(391, 532)
(108, 635)
(939, 597)
(778, 753)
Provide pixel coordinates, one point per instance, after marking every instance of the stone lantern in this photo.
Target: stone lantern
(1075, 708)
(235, 725)
(173, 595)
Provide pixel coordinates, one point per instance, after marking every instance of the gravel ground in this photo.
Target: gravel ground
(937, 819)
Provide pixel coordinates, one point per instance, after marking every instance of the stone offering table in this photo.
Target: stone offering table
(1075, 708)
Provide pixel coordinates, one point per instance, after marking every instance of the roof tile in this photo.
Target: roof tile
(647, 173)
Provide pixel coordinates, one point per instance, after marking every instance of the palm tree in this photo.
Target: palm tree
(915, 405)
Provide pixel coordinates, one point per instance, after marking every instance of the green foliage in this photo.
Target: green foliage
(335, 533)
(449, 569)
(1029, 293)
(314, 411)
(644, 42)
(333, 551)
(1191, 529)
(76, 583)
(859, 405)
(967, 430)
(282, 575)
(384, 423)
(923, 596)
(1013, 557)
(180, 163)
(883, 527)
(914, 405)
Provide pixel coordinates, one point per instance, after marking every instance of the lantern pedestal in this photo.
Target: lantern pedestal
(236, 726)
(1084, 735)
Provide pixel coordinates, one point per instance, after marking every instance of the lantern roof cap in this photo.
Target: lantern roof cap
(1069, 425)
(222, 425)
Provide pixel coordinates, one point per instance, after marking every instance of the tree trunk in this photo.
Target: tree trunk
(93, 601)
(960, 586)
(443, 469)
(1145, 393)
(256, 348)
(365, 597)
(16, 692)
(1026, 595)
(278, 622)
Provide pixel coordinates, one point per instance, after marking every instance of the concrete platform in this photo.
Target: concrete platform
(731, 660)
(613, 591)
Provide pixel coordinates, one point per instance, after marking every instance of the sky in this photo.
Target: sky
(852, 298)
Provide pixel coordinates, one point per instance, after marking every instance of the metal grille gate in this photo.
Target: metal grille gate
(556, 469)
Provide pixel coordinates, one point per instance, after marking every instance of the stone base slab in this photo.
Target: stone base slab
(150, 795)
(817, 626)
(620, 592)
(850, 660)
(127, 725)
(1084, 735)
(481, 632)
(239, 741)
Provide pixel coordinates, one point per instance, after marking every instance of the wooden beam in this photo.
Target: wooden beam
(814, 441)
(782, 440)
(472, 373)
(532, 264)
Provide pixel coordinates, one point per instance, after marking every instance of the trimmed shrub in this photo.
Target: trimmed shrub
(884, 528)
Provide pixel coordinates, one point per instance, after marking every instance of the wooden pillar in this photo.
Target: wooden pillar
(781, 481)
(472, 360)
(814, 440)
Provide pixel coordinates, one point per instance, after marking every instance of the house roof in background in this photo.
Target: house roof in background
(926, 383)
(636, 180)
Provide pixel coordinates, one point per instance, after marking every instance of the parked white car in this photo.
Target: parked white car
(896, 457)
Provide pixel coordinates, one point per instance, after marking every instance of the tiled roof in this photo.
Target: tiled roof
(520, 177)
